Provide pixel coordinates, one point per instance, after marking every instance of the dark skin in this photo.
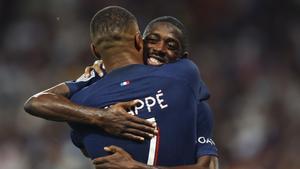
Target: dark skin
(122, 159)
(162, 42)
(162, 38)
(54, 104)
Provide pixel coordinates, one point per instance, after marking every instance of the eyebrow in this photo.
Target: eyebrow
(168, 37)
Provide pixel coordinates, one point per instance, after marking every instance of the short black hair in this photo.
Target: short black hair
(175, 22)
(109, 23)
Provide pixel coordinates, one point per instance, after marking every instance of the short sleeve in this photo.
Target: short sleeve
(76, 139)
(184, 71)
(205, 143)
(204, 92)
(76, 85)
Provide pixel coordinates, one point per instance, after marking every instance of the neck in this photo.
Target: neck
(120, 57)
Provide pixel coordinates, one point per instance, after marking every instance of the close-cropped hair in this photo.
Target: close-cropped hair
(111, 24)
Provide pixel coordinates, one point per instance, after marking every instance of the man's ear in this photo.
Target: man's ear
(94, 51)
(138, 41)
(185, 54)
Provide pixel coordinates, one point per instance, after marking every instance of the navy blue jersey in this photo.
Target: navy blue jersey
(81, 82)
(169, 95)
(205, 143)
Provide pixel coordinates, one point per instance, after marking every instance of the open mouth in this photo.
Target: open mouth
(155, 60)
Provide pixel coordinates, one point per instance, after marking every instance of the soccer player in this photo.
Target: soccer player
(115, 39)
(158, 55)
(162, 39)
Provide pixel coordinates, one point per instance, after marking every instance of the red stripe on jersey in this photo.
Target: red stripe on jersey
(157, 147)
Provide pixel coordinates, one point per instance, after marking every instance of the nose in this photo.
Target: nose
(160, 47)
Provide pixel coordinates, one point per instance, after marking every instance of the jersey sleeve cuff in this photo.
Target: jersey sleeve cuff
(73, 86)
(209, 153)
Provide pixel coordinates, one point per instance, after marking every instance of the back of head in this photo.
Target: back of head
(112, 26)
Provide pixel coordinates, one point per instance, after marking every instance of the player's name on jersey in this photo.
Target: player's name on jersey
(157, 100)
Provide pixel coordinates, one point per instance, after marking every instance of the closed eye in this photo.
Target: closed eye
(152, 38)
(172, 45)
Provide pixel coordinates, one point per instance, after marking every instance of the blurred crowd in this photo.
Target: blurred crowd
(248, 52)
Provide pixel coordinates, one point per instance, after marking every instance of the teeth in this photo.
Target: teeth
(153, 61)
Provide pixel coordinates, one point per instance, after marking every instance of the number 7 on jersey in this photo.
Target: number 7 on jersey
(153, 148)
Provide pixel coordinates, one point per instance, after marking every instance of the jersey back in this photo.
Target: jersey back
(168, 95)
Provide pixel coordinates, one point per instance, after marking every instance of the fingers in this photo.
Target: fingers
(134, 128)
(143, 122)
(99, 71)
(102, 166)
(118, 159)
(113, 149)
(99, 160)
(97, 67)
(87, 71)
(128, 104)
(107, 149)
(147, 128)
(142, 127)
(98, 63)
(139, 133)
(132, 137)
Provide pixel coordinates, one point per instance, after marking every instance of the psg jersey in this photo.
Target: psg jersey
(170, 95)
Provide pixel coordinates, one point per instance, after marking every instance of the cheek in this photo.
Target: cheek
(152, 46)
(173, 55)
(148, 47)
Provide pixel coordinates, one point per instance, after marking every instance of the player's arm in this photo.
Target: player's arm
(121, 159)
(207, 152)
(115, 120)
(54, 104)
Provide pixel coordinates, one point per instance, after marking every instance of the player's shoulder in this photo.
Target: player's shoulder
(183, 69)
(184, 64)
(82, 82)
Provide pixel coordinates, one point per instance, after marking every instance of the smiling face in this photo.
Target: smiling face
(162, 43)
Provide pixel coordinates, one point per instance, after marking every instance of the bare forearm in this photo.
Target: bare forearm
(58, 108)
(53, 104)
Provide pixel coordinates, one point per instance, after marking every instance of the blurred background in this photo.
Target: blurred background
(248, 52)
